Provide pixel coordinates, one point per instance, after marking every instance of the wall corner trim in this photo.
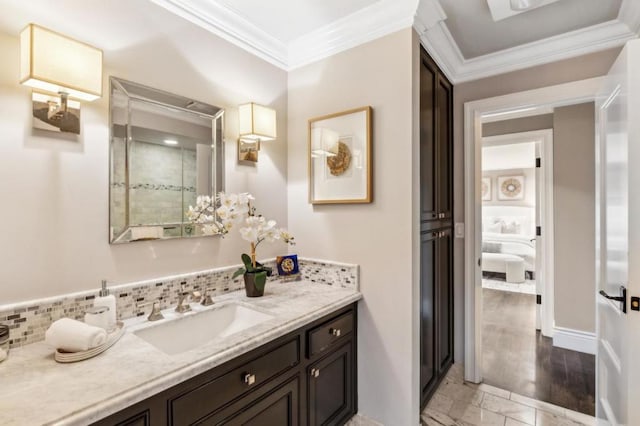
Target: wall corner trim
(575, 340)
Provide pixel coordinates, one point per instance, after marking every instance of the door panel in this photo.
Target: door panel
(444, 297)
(444, 149)
(618, 241)
(330, 388)
(428, 278)
(427, 141)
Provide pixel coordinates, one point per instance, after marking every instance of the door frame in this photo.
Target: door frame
(546, 246)
(552, 96)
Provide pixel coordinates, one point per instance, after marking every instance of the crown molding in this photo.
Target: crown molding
(387, 16)
(372, 22)
(630, 15)
(229, 25)
(375, 21)
(437, 40)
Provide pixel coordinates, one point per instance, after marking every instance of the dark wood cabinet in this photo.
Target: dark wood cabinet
(436, 227)
(279, 407)
(305, 377)
(330, 390)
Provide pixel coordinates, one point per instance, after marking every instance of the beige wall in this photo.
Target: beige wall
(574, 220)
(518, 125)
(377, 236)
(54, 190)
(579, 68)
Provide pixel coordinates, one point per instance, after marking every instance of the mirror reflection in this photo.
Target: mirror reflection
(165, 151)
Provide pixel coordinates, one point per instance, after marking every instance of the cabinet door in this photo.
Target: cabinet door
(428, 368)
(444, 148)
(428, 164)
(444, 300)
(280, 407)
(331, 388)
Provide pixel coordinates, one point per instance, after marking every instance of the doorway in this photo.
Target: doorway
(475, 318)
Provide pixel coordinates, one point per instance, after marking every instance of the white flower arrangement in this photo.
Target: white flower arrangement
(218, 215)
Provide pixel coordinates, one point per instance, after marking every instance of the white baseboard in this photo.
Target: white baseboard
(575, 340)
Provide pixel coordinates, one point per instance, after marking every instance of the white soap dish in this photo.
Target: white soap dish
(112, 338)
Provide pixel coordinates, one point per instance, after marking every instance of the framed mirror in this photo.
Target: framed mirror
(165, 150)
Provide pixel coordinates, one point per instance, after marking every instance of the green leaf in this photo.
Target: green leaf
(261, 280)
(239, 272)
(246, 259)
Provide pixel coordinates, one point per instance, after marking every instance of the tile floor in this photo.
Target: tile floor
(457, 403)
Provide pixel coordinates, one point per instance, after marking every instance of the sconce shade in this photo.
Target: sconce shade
(55, 63)
(257, 122)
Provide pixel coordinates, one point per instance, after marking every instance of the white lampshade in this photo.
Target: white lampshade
(257, 122)
(55, 63)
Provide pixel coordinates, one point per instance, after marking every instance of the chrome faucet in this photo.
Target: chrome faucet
(182, 296)
(207, 300)
(155, 314)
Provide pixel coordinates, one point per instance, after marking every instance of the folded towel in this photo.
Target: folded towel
(74, 336)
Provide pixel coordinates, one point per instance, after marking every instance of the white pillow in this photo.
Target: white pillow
(495, 228)
(511, 227)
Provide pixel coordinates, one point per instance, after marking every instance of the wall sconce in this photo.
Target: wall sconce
(63, 67)
(257, 124)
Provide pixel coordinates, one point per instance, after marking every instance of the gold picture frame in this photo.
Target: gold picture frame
(340, 158)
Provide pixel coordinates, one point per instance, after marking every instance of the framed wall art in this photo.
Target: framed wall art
(340, 158)
(486, 189)
(511, 188)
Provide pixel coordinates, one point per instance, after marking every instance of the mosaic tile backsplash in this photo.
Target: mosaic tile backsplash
(29, 320)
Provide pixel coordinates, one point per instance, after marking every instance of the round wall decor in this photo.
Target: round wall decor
(511, 187)
(339, 163)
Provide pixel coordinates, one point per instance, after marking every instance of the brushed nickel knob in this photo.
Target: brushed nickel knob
(315, 372)
(249, 379)
(335, 332)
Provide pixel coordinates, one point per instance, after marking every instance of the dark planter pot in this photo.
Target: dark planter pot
(254, 283)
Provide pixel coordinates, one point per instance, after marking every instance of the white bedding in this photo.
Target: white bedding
(518, 245)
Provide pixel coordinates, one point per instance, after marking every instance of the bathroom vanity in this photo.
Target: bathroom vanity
(305, 377)
(294, 365)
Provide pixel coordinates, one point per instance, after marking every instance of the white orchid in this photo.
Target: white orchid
(236, 209)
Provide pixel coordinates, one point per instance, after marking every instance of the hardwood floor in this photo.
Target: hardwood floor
(518, 358)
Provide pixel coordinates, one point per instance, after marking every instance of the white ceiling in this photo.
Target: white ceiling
(476, 33)
(459, 34)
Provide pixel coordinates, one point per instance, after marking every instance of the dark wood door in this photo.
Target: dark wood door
(331, 393)
(280, 407)
(444, 148)
(444, 300)
(428, 163)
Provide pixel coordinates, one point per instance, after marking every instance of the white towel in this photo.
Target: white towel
(74, 336)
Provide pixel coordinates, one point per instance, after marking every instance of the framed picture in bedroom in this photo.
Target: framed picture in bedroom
(511, 188)
(486, 189)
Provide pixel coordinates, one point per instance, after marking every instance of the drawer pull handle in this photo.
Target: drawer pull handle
(249, 379)
(315, 372)
(335, 332)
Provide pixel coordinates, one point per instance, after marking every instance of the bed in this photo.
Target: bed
(507, 232)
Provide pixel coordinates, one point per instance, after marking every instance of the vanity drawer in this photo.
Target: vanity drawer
(197, 403)
(325, 335)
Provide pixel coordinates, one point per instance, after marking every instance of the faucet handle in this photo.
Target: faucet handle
(155, 314)
(207, 300)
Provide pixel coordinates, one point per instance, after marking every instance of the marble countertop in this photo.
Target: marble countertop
(36, 390)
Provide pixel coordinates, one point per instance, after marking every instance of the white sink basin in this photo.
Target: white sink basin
(198, 328)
